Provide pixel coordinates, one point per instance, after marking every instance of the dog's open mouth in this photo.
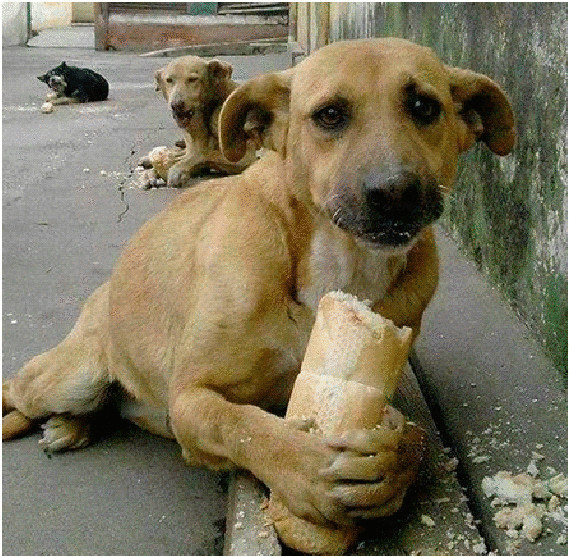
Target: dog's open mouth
(389, 228)
(397, 235)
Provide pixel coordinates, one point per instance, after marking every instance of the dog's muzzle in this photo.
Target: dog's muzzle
(390, 210)
(181, 114)
(57, 83)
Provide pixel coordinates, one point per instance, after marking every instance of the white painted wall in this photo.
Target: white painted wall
(46, 15)
(14, 23)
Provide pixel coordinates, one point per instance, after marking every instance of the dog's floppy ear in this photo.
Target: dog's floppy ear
(485, 111)
(259, 109)
(219, 69)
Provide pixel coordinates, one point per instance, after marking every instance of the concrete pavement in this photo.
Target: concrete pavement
(68, 209)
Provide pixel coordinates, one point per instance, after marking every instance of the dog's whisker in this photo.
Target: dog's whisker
(335, 217)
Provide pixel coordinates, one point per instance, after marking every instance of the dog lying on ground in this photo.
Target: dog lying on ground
(70, 84)
(195, 91)
(205, 319)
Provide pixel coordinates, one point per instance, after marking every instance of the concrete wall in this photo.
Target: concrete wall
(46, 15)
(14, 23)
(509, 214)
(82, 12)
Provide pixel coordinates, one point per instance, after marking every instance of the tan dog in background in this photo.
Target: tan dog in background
(195, 90)
(206, 317)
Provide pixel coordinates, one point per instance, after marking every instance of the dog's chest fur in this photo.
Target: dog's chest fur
(337, 262)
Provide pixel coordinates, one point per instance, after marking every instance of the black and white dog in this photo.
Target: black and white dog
(75, 85)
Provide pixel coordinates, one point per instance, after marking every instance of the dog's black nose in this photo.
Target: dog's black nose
(178, 107)
(396, 194)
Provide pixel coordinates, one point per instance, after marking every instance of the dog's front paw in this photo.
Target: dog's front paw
(375, 467)
(61, 433)
(177, 178)
(147, 180)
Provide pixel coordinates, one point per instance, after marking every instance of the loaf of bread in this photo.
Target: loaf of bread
(162, 159)
(351, 368)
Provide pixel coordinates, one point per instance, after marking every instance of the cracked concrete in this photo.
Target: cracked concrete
(68, 209)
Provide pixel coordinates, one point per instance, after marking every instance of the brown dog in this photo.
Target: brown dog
(205, 320)
(195, 91)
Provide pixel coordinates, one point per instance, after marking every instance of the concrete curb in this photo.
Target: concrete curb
(249, 530)
(435, 519)
(245, 48)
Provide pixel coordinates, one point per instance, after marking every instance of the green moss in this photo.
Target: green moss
(508, 213)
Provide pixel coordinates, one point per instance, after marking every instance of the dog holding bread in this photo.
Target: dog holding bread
(205, 320)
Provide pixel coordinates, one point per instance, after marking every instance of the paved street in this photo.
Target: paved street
(68, 209)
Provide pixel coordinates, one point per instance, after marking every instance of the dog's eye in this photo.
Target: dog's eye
(424, 110)
(169, 80)
(331, 117)
(192, 79)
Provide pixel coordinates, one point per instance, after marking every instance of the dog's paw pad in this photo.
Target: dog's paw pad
(62, 433)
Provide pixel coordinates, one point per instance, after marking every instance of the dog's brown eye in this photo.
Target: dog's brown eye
(169, 80)
(331, 118)
(423, 109)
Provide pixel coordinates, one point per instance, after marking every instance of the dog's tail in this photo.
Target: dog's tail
(14, 423)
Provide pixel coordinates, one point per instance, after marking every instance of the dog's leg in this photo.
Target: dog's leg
(186, 169)
(317, 480)
(196, 164)
(62, 433)
(70, 381)
(407, 300)
(65, 100)
(81, 95)
(217, 163)
(227, 434)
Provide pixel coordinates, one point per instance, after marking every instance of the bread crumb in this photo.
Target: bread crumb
(554, 503)
(531, 526)
(532, 469)
(523, 515)
(450, 465)
(558, 485)
(479, 548)
(513, 489)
